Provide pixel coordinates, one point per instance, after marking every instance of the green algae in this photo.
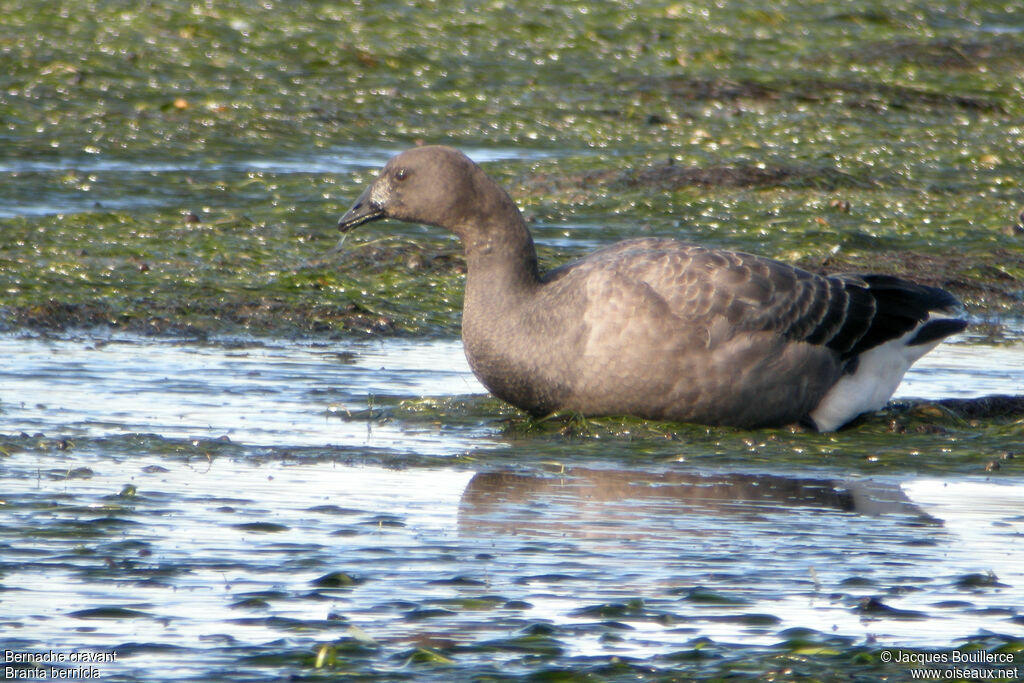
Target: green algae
(905, 114)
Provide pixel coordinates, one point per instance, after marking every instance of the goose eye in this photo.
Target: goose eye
(401, 174)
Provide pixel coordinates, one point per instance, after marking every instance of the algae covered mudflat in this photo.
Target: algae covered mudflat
(292, 478)
(179, 166)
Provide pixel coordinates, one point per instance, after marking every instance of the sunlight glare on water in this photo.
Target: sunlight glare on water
(217, 547)
(58, 199)
(266, 393)
(966, 371)
(257, 393)
(784, 562)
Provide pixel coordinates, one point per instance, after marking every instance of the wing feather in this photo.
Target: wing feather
(849, 314)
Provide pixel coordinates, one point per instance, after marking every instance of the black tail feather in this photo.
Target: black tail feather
(934, 330)
(898, 307)
(911, 295)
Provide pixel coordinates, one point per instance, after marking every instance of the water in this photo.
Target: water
(181, 503)
(274, 393)
(40, 187)
(263, 393)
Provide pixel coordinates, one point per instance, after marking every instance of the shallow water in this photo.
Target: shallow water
(194, 506)
(93, 182)
(276, 393)
(257, 393)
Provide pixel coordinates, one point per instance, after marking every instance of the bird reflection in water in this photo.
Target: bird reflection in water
(582, 502)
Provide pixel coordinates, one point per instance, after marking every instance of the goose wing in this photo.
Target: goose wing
(745, 293)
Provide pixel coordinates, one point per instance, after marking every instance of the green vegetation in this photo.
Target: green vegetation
(839, 138)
